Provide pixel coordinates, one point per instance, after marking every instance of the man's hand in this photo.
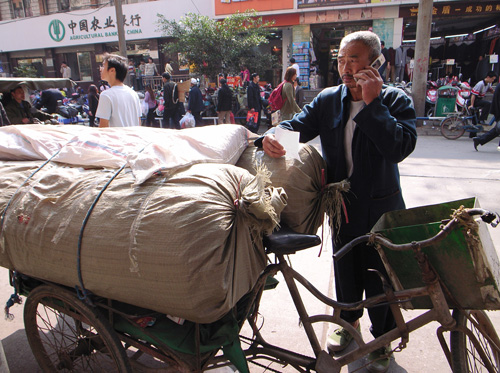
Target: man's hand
(370, 82)
(272, 147)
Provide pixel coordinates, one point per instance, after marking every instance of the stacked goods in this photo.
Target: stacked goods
(302, 180)
(187, 244)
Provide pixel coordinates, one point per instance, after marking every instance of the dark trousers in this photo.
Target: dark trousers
(352, 279)
(169, 119)
(179, 113)
(197, 118)
(150, 118)
(92, 121)
(490, 135)
(485, 108)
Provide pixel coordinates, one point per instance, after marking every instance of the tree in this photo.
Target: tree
(26, 71)
(213, 46)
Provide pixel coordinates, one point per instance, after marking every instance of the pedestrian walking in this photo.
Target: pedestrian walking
(224, 102)
(495, 131)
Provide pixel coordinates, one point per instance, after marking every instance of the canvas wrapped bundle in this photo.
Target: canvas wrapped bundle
(187, 244)
(303, 181)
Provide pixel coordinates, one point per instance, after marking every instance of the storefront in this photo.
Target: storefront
(464, 36)
(81, 38)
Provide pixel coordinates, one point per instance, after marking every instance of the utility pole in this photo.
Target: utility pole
(422, 45)
(122, 46)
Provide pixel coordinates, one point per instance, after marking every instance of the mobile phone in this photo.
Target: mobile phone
(379, 61)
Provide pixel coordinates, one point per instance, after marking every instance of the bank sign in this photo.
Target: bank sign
(84, 27)
(93, 28)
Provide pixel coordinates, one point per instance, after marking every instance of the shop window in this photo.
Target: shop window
(63, 5)
(21, 8)
(85, 66)
(30, 66)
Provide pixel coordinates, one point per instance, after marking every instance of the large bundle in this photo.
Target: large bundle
(186, 242)
(188, 246)
(302, 180)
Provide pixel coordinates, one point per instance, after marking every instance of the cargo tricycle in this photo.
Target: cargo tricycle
(438, 260)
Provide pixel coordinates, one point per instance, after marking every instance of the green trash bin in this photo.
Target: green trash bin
(471, 271)
(446, 100)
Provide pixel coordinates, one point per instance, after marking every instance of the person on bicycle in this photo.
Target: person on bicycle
(365, 130)
(477, 98)
(495, 131)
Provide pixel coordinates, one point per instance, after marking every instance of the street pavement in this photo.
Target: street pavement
(439, 170)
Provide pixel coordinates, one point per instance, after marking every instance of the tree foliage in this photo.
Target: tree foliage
(211, 46)
(26, 71)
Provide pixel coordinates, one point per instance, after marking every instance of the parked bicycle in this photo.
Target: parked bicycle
(456, 124)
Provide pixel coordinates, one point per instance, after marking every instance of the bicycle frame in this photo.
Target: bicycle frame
(322, 361)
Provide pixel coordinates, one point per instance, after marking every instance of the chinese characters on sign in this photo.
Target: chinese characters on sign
(454, 10)
(91, 29)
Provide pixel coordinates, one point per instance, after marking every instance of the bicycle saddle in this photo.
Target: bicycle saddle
(287, 241)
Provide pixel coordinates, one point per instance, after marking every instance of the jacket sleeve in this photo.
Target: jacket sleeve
(389, 122)
(220, 97)
(14, 114)
(250, 97)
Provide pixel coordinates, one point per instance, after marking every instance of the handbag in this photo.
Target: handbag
(252, 119)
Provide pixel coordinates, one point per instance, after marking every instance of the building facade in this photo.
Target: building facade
(44, 33)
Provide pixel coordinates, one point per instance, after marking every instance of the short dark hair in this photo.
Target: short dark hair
(166, 76)
(382, 43)
(491, 74)
(223, 81)
(292, 60)
(252, 77)
(119, 63)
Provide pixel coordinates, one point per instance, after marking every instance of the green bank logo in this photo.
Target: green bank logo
(56, 30)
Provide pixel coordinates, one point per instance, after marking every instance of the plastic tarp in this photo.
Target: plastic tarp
(145, 150)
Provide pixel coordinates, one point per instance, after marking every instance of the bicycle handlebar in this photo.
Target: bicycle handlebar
(486, 216)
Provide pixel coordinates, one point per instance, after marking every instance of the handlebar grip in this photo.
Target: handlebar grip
(348, 247)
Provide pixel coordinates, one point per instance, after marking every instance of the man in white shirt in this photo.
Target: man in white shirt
(118, 106)
(65, 70)
(478, 93)
(296, 66)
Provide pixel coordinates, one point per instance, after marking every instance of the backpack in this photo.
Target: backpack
(275, 99)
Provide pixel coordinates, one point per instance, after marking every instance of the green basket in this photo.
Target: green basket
(470, 271)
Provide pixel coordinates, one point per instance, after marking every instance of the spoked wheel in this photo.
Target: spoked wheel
(242, 114)
(468, 356)
(453, 127)
(66, 335)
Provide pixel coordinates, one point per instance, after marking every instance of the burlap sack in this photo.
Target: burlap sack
(302, 181)
(188, 246)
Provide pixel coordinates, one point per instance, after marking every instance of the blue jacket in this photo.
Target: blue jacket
(385, 135)
(195, 102)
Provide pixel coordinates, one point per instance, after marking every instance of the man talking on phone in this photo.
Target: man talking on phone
(365, 129)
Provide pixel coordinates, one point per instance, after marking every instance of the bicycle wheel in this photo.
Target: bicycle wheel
(242, 114)
(452, 127)
(66, 335)
(466, 356)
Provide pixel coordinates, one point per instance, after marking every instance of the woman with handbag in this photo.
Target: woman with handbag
(150, 100)
(290, 107)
